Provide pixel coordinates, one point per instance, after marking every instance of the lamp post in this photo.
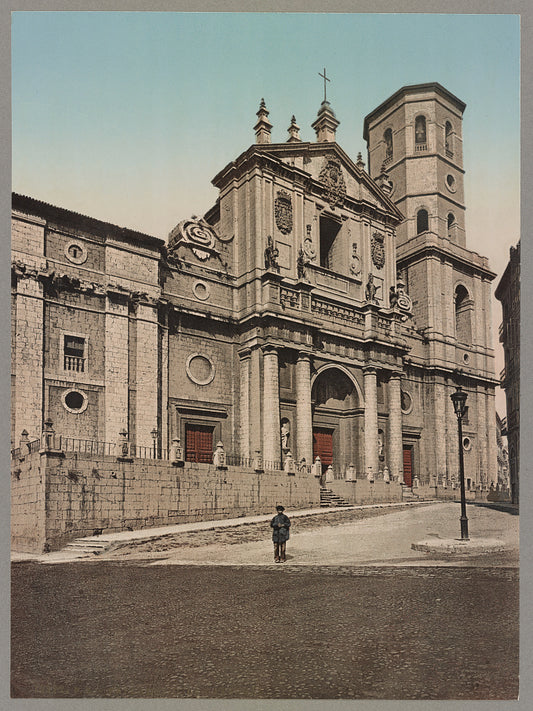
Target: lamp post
(459, 399)
(154, 434)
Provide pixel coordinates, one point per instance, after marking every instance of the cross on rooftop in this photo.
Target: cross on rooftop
(325, 80)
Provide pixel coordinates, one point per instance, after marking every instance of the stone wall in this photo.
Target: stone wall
(28, 504)
(81, 493)
(363, 491)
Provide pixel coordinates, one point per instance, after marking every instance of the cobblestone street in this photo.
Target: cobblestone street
(147, 625)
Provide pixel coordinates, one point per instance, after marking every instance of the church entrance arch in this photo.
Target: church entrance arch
(337, 416)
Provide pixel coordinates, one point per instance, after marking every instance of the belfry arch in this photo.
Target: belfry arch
(338, 417)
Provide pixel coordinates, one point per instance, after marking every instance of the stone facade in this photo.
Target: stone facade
(302, 316)
(508, 293)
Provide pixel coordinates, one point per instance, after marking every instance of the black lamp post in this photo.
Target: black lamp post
(459, 400)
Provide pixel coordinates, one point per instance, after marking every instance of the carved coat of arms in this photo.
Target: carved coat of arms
(332, 177)
(283, 212)
(378, 249)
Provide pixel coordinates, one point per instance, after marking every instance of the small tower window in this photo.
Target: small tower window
(463, 315)
(451, 220)
(422, 221)
(448, 131)
(387, 137)
(420, 129)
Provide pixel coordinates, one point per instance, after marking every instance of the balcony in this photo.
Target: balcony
(74, 364)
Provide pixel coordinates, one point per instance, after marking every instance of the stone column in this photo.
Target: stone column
(271, 419)
(244, 402)
(304, 416)
(481, 413)
(395, 427)
(371, 420)
(442, 433)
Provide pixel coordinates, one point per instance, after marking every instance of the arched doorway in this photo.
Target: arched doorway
(337, 414)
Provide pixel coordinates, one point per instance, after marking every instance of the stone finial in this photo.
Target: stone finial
(386, 474)
(263, 127)
(370, 474)
(317, 467)
(176, 451)
(325, 124)
(219, 456)
(384, 182)
(288, 465)
(123, 444)
(258, 461)
(294, 135)
(350, 474)
(329, 474)
(360, 162)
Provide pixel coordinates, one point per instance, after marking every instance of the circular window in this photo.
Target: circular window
(407, 402)
(467, 443)
(75, 252)
(450, 183)
(200, 369)
(201, 290)
(75, 401)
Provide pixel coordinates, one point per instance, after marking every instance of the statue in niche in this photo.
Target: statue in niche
(285, 434)
(271, 255)
(393, 297)
(309, 250)
(355, 264)
(300, 264)
(371, 290)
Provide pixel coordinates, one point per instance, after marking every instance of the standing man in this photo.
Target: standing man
(280, 534)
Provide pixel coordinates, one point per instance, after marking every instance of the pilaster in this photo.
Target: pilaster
(116, 373)
(395, 427)
(244, 402)
(147, 374)
(371, 420)
(271, 418)
(304, 416)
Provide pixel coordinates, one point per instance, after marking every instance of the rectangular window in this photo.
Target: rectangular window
(74, 354)
(329, 229)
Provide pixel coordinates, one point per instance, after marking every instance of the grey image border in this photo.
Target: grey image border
(510, 7)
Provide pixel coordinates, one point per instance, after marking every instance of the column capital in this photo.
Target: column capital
(395, 374)
(304, 355)
(269, 349)
(245, 353)
(370, 370)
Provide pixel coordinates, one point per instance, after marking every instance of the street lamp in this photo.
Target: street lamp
(459, 399)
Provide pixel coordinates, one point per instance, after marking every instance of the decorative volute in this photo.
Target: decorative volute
(263, 127)
(325, 124)
(293, 130)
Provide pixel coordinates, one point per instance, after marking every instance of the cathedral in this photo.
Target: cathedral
(320, 313)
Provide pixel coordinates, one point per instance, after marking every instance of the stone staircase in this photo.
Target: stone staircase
(328, 498)
(88, 547)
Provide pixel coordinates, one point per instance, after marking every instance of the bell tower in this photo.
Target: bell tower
(415, 138)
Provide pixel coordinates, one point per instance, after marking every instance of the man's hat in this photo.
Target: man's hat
(280, 508)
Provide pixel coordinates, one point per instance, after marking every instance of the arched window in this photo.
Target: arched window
(463, 315)
(387, 137)
(420, 129)
(422, 221)
(451, 220)
(448, 130)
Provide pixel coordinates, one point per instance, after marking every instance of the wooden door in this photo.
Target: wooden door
(408, 465)
(199, 444)
(323, 446)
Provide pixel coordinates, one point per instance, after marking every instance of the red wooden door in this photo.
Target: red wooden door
(323, 446)
(198, 444)
(408, 465)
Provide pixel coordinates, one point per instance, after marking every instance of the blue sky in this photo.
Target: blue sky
(127, 116)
